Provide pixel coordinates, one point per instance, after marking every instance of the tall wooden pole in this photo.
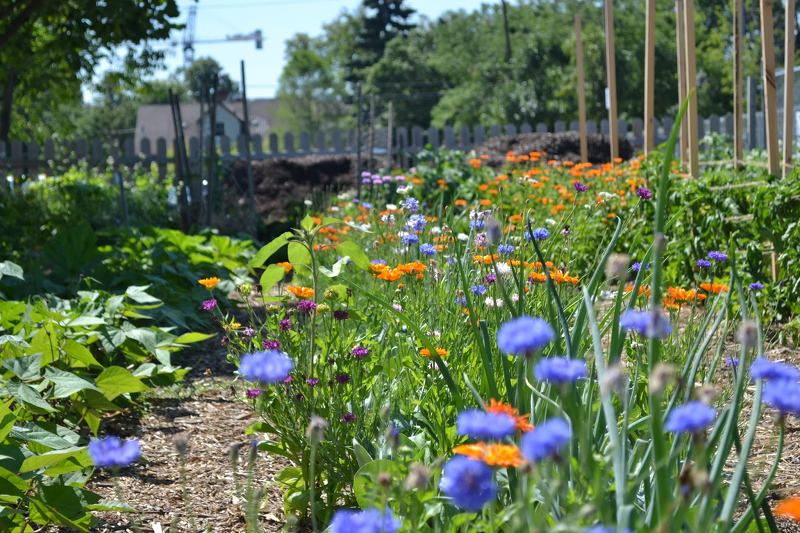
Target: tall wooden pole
(358, 140)
(649, 76)
(389, 132)
(212, 152)
(738, 88)
(681, 36)
(371, 130)
(251, 192)
(788, 89)
(770, 93)
(611, 74)
(691, 88)
(581, 89)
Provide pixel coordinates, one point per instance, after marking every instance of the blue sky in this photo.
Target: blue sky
(278, 20)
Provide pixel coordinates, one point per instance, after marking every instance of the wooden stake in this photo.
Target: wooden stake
(649, 76)
(581, 89)
(680, 33)
(251, 191)
(788, 89)
(358, 140)
(738, 90)
(389, 135)
(611, 73)
(770, 93)
(691, 86)
(371, 130)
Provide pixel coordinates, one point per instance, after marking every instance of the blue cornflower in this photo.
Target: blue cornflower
(524, 335)
(732, 361)
(367, 205)
(560, 370)
(451, 260)
(267, 367)
(546, 440)
(111, 452)
(763, 368)
(427, 249)
(692, 417)
(469, 483)
(378, 262)
(480, 290)
(505, 249)
(367, 521)
(704, 263)
(461, 300)
(417, 222)
(638, 266)
(477, 225)
(411, 203)
(783, 395)
(539, 234)
(411, 238)
(717, 256)
(645, 323)
(756, 286)
(481, 425)
(602, 529)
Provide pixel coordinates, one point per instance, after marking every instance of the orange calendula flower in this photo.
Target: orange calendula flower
(232, 325)
(538, 277)
(485, 202)
(378, 267)
(789, 508)
(301, 292)
(682, 295)
(714, 288)
(427, 353)
(286, 266)
(390, 274)
(461, 202)
(411, 268)
(498, 407)
(208, 283)
(473, 451)
(670, 304)
(502, 455)
(558, 277)
(642, 290)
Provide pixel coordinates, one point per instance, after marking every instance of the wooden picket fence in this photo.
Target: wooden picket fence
(29, 159)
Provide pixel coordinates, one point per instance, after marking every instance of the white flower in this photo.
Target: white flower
(608, 295)
(387, 218)
(499, 303)
(397, 307)
(515, 297)
(550, 222)
(404, 189)
(463, 237)
(489, 301)
(391, 207)
(606, 195)
(308, 202)
(333, 208)
(503, 269)
(436, 230)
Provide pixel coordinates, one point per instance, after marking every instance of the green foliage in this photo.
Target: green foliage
(200, 74)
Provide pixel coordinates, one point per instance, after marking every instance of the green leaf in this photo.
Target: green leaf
(365, 483)
(46, 345)
(307, 223)
(28, 395)
(7, 268)
(79, 355)
(138, 295)
(356, 254)
(25, 368)
(115, 380)
(298, 255)
(362, 456)
(267, 251)
(7, 419)
(13, 339)
(66, 383)
(272, 275)
(190, 338)
(111, 505)
(47, 434)
(11, 484)
(336, 269)
(46, 459)
(84, 321)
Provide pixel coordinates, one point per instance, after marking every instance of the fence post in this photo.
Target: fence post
(581, 89)
(358, 140)
(691, 87)
(752, 118)
(649, 75)
(788, 89)
(738, 37)
(371, 139)
(611, 75)
(770, 100)
(389, 136)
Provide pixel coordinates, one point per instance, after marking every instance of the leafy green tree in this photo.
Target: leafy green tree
(383, 21)
(48, 48)
(201, 73)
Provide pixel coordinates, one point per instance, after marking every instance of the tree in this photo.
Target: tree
(201, 74)
(48, 48)
(157, 91)
(383, 21)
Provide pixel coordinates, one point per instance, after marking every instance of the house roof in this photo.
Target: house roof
(155, 121)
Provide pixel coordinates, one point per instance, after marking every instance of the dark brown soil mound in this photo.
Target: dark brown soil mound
(564, 146)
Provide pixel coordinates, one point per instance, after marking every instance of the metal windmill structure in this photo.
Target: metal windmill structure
(189, 41)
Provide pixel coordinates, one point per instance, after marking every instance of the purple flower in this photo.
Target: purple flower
(756, 286)
(208, 305)
(647, 324)
(360, 351)
(411, 238)
(477, 225)
(268, 367)
(416, 222)
(783, 395)
(343, 378)
(427, 249)
(111, 452)
(480, 239)
(299, 396)
(704, 263)
(560, 370)
(252, 393)
(461, 300)
(366, 174)
(249, 331)
(368, 521)
(411, 204)
(468, 482)
(271, 345)
(580, 187)
(348, 417)
(644, 193)
(692, 417)
(366, 180)
(307, 306)
(285, 324)
(479, 290)
(481, 425)
(732, 361)
(524, 336)
(546, 440)
(505, 249)
(491, 278)
(763, 368)
(539, 234)
(717, 256)
(288, 381)
(566, 232)
(313, 382)
(341, 315)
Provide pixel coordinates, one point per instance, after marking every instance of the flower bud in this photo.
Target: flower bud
(617, 265)
(245, 289)
(323, 309)
(331, 295)
(181, 442)
(418, 477)
(316, 428)
(662, 376)
(385, 480)
(748, 334)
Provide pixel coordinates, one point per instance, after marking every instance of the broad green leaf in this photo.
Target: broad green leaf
(66, 383)
(11, 484)
(357, 255)
(267, 251)
(7, 419)
(307, 223)
(145, 370)
(115, 380)
(45, 344)
(85, 321)
(77, 467)
(189, 338)
(28, 395)
(146, 337)
(14, 340)
(272, 275)
(13, 270)
(25, 368)
(298, 255)
(365, 483)
(289, 475)
(139, 295)
(46, 459)
(97, 401)
(47, 434)
(79, 355)
(336, 269)
(362, 456)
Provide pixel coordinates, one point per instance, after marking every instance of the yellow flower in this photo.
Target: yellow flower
(209, 283)
(232, 325)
